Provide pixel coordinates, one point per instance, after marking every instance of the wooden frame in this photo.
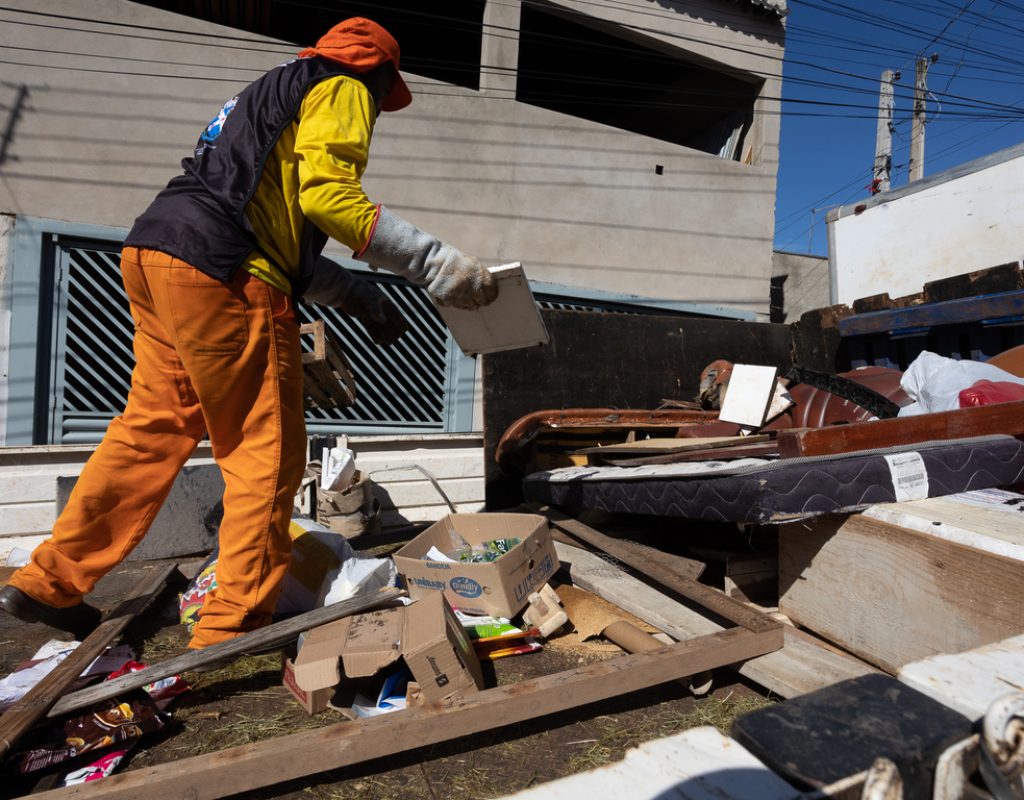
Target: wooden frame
(252, 766)
(1000, 418)
(328, 381)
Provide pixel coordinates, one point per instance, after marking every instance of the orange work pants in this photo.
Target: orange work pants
(210, 357)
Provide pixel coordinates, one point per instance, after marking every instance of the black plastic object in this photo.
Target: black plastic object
(838, 731)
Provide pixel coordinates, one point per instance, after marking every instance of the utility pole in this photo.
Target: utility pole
(883, 136)
(917, 126)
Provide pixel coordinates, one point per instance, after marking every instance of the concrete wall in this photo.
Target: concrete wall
(29, 484)
(964, 219)
(806, 284)
(111, 111)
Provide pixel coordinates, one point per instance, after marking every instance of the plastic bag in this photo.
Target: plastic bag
(935, 382)
(986, 392)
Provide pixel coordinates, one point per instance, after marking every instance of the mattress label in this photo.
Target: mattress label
(909, 476)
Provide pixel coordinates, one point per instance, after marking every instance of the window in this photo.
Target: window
(574, 68)
(439, 40)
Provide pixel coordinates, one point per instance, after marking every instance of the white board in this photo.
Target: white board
(751, 389)
(969, 682)
(511, 322)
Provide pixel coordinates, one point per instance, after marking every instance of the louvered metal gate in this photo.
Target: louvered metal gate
(402, 387)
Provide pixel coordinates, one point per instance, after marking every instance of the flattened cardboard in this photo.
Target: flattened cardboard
(501, 587)
(426, 634)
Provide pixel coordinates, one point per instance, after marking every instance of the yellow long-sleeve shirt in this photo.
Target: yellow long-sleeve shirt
(314, 172)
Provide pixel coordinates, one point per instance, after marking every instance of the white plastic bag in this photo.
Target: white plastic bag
(934, 382)
(357, 576)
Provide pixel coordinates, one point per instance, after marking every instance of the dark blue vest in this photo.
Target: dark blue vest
(200, 216)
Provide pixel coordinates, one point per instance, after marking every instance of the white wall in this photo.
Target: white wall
(109, 117)
(28, 479)
(959, 221)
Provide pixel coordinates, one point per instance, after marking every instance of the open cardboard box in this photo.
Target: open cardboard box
(426, 634)
(501, 587)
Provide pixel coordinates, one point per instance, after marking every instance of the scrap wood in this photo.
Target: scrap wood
(687, 567)
(279, 633)
(804, 664)
(594, 616)
(1005, 418)
(659, 569)
(29, 709)
(252, 766)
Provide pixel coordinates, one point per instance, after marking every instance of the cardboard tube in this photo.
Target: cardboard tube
(633, 640)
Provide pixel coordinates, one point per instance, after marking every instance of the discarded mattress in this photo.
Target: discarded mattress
(760, 490)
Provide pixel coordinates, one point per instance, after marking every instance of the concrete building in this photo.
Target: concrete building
(625, 152)
(629, 147)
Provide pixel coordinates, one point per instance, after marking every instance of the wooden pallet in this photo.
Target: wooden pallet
(328, 381)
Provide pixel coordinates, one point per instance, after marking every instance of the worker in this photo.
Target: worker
(213, 269)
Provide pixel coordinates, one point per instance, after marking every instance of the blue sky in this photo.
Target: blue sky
(975, 107)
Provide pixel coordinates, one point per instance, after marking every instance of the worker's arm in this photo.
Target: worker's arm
(333, 144)
(335, 286)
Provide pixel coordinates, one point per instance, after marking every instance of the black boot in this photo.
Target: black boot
(79, 619)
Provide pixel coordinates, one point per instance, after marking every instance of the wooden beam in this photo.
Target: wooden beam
(804, 664)
(950, 312)
(685, 566)
(651, 564)
(249, 767)
(280, 633)
(1006, 418)
(34, 705)
(891, 595)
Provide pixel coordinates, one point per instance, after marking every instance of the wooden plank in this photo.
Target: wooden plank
(710, 454)
(243, 769)
(995, 528)
(804, 664)
(674, 445)
(26, 712)
(667, 574)
(969, 682)
(279, 633)
(1006, 418)
(892, 595)
(969, 309)
(685, 566)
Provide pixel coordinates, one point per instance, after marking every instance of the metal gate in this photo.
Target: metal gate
(410, 386)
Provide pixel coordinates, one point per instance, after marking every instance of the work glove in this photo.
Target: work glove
(337, 287)
(451, 277)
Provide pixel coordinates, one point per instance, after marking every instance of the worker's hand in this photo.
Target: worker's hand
(451, 277)
(381, 318)
(461, 281)
(333, 285)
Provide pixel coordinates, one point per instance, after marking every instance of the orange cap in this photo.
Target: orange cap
(362, 44)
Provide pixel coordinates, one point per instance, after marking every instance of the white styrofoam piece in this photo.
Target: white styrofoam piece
(968, 682)
(751, 389)
(511, 322)
(697, 764)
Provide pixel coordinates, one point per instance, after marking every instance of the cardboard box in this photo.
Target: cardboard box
(500, 587)
(426, 634)
(314, 702)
